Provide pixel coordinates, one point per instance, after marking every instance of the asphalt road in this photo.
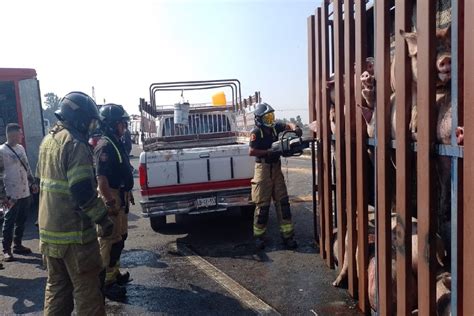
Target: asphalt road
(205, 265)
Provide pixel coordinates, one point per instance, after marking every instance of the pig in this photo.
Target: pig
(397, 244)
(341, 278)
(443, 294)
(372, 285)
(443, 58)
(443, 66)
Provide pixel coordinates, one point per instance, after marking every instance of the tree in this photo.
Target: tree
(51, 105)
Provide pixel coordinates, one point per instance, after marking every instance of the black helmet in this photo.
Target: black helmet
(78, 111)
(111, 114)
(264, 115)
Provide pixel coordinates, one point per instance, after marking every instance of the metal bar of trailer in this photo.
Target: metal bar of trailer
(383, 163)
(457, 24)
(312, 115)
(349, 52)
(326, 142)
(404, 158)
(340, 129)
(426, 97)
(468, 176)
(361, 157)
(319, 119)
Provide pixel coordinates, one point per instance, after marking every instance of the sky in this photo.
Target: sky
(121, 47)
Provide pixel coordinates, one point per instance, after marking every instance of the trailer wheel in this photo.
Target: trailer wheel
(158, 223)
(247, 211)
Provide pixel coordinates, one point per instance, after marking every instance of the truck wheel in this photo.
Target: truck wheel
(247, 211)
(158, 223)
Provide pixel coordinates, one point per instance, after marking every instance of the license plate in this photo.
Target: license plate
(206, 202)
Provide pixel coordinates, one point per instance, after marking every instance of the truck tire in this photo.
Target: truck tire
(247, 211)
(158, 223)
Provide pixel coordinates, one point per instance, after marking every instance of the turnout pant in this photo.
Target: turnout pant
(14, 222)
(73, 280)
(111, 247)
(267, 183)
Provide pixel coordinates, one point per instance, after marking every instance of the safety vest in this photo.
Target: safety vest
(65, 162)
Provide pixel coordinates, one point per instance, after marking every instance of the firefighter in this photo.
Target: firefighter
(268, 181)
(69, 208)
(115, 179)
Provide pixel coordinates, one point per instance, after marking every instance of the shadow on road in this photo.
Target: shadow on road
(230, 235)
(34, 258)
(26, 291)
(174, 301)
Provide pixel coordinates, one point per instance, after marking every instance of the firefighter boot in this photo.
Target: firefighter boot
(115, 292)
(290, 243)
(259, 243)
(123, 279)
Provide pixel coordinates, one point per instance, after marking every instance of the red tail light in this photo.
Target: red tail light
(143, 176)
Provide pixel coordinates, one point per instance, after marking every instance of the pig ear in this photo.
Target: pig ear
(411, 39)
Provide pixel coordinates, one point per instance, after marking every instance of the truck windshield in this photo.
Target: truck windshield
(197, 124)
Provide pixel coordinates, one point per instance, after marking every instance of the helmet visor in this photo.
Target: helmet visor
(125, 123)
(269, 119)
(93, 125)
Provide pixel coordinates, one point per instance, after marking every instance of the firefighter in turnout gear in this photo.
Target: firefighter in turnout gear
(69, 209)
(115, 179)
(268, 181)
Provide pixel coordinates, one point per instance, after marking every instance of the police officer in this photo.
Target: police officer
(115, 178)
(268, 181)
(69, 207)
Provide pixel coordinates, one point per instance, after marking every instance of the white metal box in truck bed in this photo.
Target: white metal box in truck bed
(194, 179)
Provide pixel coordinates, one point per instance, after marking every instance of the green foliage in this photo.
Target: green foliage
(51, 104)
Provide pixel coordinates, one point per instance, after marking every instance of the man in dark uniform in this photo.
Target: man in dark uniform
(268, 181)
(115, 180)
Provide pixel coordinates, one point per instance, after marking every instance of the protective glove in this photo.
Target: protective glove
(274, 153)
(106, 227)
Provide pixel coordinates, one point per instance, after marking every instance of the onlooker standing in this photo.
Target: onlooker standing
(18, 179)
(127, 141)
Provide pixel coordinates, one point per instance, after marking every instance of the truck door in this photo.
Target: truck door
(32, 115)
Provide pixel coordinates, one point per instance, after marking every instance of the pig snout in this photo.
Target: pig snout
(443, 64)
(460, 135)
(367, 80)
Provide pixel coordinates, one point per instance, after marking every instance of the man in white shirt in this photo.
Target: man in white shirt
(18, 179)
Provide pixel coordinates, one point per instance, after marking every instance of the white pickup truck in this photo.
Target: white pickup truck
(199, 167)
